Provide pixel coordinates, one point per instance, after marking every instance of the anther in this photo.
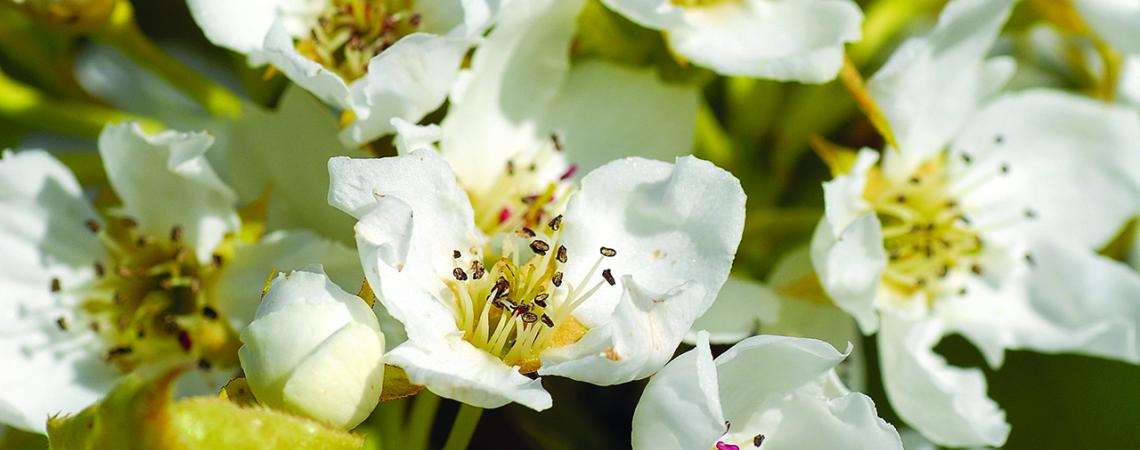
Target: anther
(900, 198)
(547, 320)
(942, 273)
(539, 246)
(209, 313)
(758, 440)
(557, 142)
(561, 257)
(555, 223)
(999, 139)
(415, 20)
(455, 254)
(55, 285)
(129, 222)
(459, 274)
(61, 323)
(1030, 214)
(966, 158)
(609, 276)
(119, 351)
(1029, 259)
(556, 279)
(99, 269)
(510, 167)
(477, 269)
(143, 241)
(92, 225)
(608, 252)
(976, 268)
(176, 233)
(1004, 168)
(184, 340)
(921, 282)
(529, 317)
(962, 291)
(204, 364)
(540, 299)
(526, 232)
(915, 180)
(217, 260)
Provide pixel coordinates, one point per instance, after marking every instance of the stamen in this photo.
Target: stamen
(608, 276)
(608, 252)
(459, 274)
(562, 258)
(758, 440)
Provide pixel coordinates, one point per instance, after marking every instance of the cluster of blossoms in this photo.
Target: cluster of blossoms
(467, 198)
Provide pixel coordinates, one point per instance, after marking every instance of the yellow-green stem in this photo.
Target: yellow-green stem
(122, 32)
(424, 408)
(464, 427)
(27, 106)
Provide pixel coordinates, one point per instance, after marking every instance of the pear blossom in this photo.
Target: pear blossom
(984, 222)
(377, 59)
(165, 277)
(314, 349)
(798, 40)
(1116, 21)
(766, 392)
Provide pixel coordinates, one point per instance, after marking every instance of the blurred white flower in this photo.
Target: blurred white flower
(984, 222)
(1116, 21)
(314, 349)
(766, 392)
(166, 277)
(378, 59)
(790, 40)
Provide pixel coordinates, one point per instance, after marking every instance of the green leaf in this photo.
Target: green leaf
(140, 414)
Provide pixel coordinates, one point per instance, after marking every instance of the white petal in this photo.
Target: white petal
(455, 369)
(286, 152)
(781, 40)
(675, 228)
(237, 291)
(680, 407)
(1129, 88)
(1117, 21)
(850, 264)
(42, 236)
(515, 75)
(164, 181)
(798, 402)
(931, 85)
(410, 136)
(605, 110)
(947, 404)
(738, 312)
(408, 80)
(241, 26)
(1073, 161)
(843, 196)
(278, 50)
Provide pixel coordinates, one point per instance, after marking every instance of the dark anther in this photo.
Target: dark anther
(184, 340)
(99, 270)
(962, 291)
(758, 440)
(929, 251)
(1029, 259)
(526, 232)
(900, 198)
(998, 139)
(540, 299)
(143, 241)
(915, 180)
(727, 426)
(522, 309)
(608, 252)
(415, 20)
(609, 276)
(951, 203)
(455, 254)
(130, 223)
(529, 317)
(459, 274)
(92, 225)
(477, 269)
(942, 273)
(529, 199)
(561, 257)
(555, 222)
(1030, 214)
(209, 312)
(894, 254)
(499, 304)
(502, 286)
(540, 247)
(532, 167)
(921, 282)
(557, 142)
(966, 158)
(176, 233)
(119, 351)
(217, 260)
(556, 279)
(204, 364)
(61, 323)
(1004, 168)
(55, 286)
(976, 268)
(547, 320)
(510, 167)
(964, 219)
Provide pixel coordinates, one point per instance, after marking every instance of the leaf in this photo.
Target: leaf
(397, 385)
(140, 414)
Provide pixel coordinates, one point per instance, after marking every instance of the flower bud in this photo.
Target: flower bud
(315, 350)
(75, 15)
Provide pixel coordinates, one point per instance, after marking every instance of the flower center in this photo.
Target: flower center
(348, 33)
(148, 301)
(926, 233)
(519, 305)
(525, 193)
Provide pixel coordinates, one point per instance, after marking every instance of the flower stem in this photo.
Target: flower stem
(420, 422)
(30, 107)
(464, 427)
(712, 140)
(851, 79)
(122, 32)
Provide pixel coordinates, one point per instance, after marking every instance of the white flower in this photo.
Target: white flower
(378, 59)
(513, 268)
(767, 392)
(314, 349)
(984, 222)
(89, 294)
(1116, 21)
(799, 40)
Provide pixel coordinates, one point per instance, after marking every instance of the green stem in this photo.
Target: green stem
(423, 415)
(29, 107)
(464, 427)
(390, 423)
(713, 141)
(122, 32)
